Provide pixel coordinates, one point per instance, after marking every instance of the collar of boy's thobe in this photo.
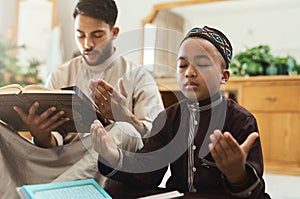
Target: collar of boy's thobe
(206, 104)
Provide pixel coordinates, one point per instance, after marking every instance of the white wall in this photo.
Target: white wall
(65, 21)
(250, 23)
(7, 17)
(131, 13)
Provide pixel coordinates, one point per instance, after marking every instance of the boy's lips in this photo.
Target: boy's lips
(190, 84)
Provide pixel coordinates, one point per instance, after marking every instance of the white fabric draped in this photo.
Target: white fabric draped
(22, 163)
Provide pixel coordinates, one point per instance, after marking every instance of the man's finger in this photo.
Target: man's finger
(21, 113)
(93, 84)
(109, 89)
(32, 110)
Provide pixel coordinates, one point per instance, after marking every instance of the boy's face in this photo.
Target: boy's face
(94, 39)
(199, 69)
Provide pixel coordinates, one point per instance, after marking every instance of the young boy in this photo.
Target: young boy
(210, 142)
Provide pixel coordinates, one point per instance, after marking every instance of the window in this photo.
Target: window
(149, 47)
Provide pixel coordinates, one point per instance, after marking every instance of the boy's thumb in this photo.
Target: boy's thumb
(246, 146)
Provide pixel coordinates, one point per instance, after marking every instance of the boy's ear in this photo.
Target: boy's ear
(225, 76)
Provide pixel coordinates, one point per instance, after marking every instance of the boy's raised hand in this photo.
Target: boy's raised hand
(229, 156)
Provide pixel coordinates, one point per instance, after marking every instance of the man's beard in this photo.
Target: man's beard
(106, 53)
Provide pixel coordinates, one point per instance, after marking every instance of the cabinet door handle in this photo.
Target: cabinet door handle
(271, 99)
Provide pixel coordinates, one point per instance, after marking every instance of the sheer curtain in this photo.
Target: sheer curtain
(169, 32)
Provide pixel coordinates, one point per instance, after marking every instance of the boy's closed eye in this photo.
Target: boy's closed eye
(182, 63)
(202, 61)
(198, 61)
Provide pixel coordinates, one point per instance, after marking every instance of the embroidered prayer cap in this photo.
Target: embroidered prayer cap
(216, 37)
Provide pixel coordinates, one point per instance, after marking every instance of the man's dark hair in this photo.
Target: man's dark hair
(105, 10)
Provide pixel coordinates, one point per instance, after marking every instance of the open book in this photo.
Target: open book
(73, 189)
(78, 107)
(33, 88)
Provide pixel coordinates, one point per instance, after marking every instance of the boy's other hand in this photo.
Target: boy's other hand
(229, 156)
(103, 144)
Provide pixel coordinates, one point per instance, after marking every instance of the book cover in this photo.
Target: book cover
(78, 107)
(78, 189)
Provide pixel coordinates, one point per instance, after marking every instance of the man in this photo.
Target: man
(95, 31)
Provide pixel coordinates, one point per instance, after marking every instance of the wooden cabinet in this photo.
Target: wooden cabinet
(275, 102)
(169, 91)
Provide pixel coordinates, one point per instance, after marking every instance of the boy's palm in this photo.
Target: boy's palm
(229, 156)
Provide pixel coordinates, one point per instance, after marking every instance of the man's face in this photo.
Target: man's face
(94, 39)
(199, 70)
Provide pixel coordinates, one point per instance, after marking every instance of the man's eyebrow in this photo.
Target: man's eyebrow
(96, 31)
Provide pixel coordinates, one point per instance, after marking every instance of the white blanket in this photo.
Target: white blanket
(22, 163)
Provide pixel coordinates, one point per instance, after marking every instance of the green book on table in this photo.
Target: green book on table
(79, 189)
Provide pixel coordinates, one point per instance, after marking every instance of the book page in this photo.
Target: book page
(32, 88)
(36, 88)
(167, 195)
(11, 89)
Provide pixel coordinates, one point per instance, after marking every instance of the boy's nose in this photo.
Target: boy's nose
(190, 72)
